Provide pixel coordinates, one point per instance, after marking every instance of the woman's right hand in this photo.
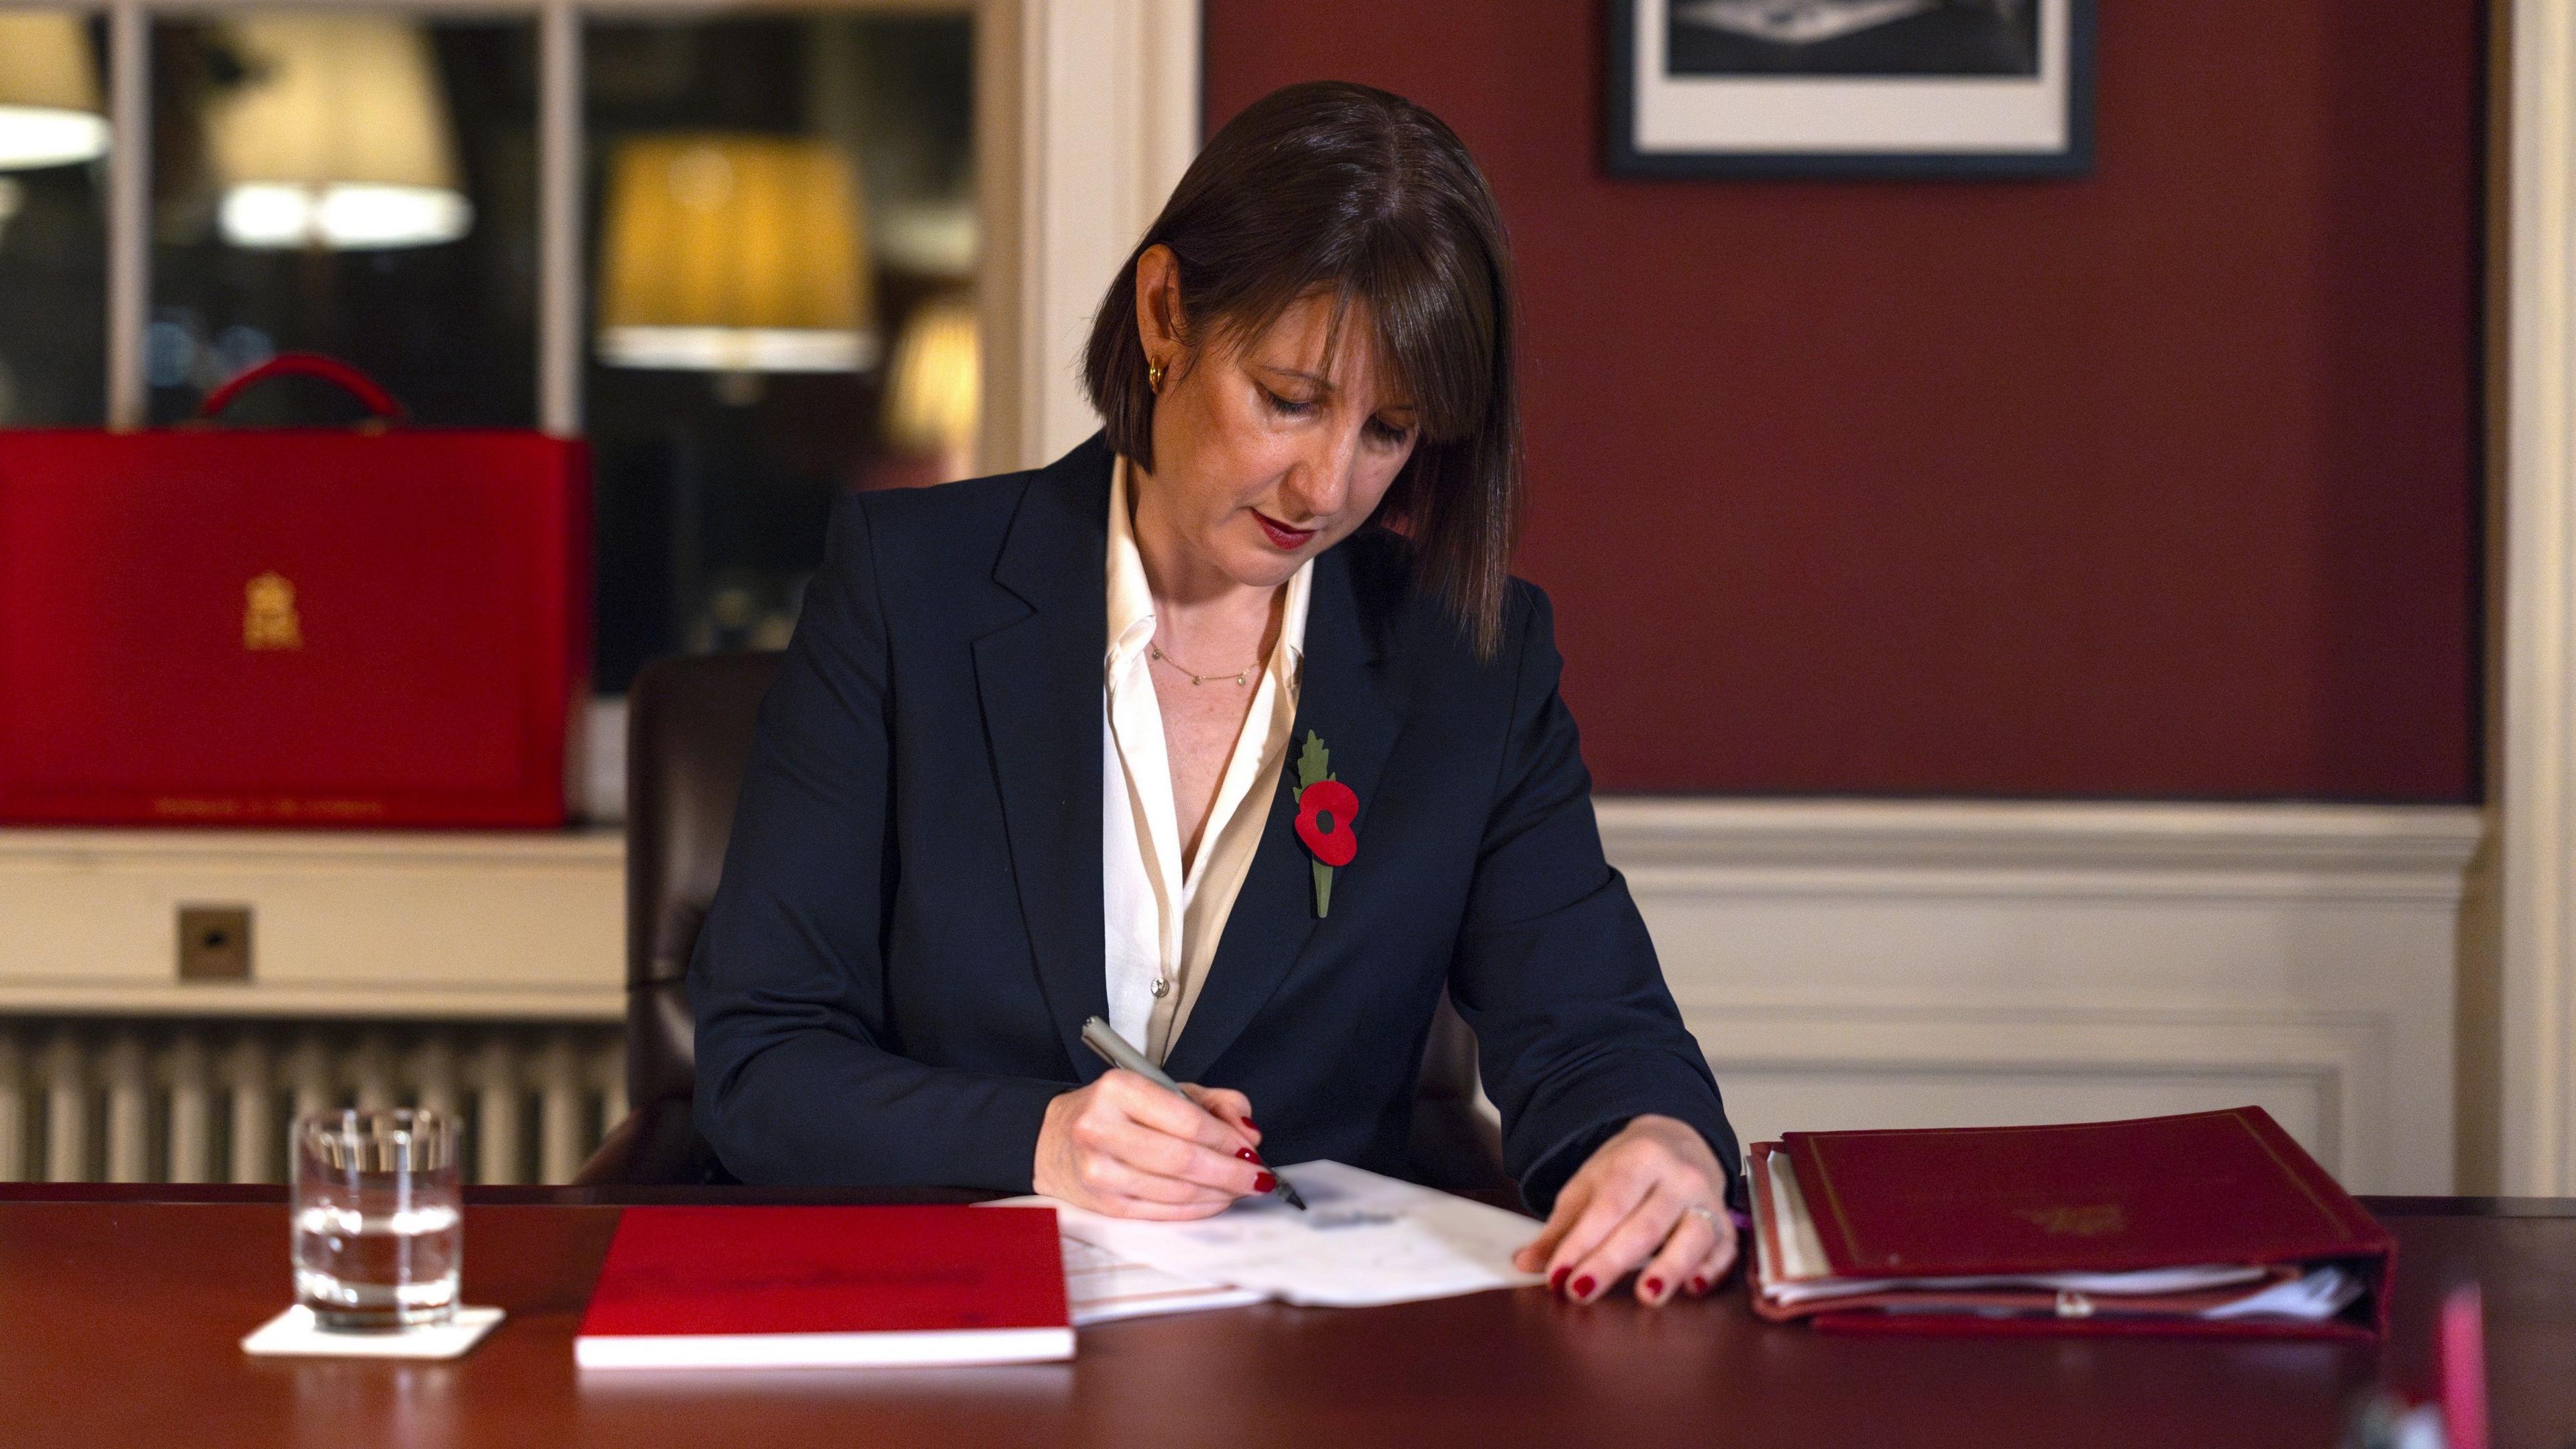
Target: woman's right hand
(1126, 1147)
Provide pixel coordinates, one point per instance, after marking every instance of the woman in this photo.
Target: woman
(1231, 728)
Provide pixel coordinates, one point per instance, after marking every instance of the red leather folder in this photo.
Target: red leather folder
(785, 1287)
(381, 626)
(1907, 1214)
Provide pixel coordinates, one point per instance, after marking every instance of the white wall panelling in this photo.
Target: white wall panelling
(2538, 799)
(512, 927)
(1843, 963)
(1849, 963)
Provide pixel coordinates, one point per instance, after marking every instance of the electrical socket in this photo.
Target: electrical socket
(214, 943)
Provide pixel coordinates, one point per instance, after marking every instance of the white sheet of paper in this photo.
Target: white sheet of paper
(1101, 1287)
(1364, 1240)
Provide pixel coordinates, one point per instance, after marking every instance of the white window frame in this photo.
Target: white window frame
(1087, 111)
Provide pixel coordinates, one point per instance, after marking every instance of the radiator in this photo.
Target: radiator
(126, 1100)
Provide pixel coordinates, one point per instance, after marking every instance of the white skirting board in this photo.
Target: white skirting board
(1900, 964)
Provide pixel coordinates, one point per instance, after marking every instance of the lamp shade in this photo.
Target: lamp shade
(934, 381)
(734, 253)
(339, 138)
(49, 105)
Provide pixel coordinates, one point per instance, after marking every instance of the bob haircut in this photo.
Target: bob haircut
(1340, 189)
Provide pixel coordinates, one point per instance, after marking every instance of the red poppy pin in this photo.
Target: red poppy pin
(1325, 809)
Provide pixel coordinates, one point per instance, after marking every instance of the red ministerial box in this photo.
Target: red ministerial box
(302, 626)
(777, 1287)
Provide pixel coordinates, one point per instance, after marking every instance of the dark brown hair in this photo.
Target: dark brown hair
(1339, 188)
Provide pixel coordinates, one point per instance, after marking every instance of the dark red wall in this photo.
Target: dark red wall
(2158, 483)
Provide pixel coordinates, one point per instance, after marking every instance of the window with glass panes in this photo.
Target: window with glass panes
(736, 248)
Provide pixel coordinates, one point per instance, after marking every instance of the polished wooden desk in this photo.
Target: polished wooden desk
(120, 1309)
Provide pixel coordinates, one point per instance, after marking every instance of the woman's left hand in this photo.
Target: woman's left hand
(1651, 1201)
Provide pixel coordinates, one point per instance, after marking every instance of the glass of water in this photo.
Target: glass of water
(378, 1229)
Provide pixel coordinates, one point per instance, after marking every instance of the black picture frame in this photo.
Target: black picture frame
(1622, 157)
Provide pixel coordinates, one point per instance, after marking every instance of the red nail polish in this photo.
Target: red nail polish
(1264, 1183)
(1556, 1280)
(1247, 1154)
(1583, 1287)
(1248, 1123)
(1654, 1287)
(1698, 1286)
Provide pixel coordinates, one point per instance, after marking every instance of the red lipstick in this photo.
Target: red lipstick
(1281, 536)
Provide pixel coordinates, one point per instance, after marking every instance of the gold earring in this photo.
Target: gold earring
(1154, 378)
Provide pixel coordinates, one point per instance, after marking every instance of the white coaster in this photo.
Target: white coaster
(295, 1334)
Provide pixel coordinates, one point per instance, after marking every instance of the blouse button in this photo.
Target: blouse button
(1162, 988)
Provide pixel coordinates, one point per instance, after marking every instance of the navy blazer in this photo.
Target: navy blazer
(892, 979)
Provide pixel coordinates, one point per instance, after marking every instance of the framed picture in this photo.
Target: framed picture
(1850, 88)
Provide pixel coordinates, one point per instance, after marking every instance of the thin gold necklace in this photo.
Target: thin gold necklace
(1240, 676)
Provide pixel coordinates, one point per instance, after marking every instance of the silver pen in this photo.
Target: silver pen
(1104, 1039)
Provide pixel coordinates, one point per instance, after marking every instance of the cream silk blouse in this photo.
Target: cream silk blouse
(1165, 914)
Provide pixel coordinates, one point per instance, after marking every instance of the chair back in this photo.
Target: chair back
(688, 738)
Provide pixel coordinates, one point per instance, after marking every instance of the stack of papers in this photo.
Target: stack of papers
(1101, 1287)
(1793, 1271)
(1364, 1240)
(2201, 1222)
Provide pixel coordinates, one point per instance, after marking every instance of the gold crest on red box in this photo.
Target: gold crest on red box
(269, 620)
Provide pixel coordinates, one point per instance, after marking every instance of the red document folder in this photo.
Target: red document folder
(773, 1287)
(1902, 1217)
(380, 627)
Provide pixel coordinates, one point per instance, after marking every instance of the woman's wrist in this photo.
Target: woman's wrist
(1681, 1138)
(1051, 1158)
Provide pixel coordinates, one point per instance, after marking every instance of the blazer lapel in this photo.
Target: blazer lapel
(1345, 699)
(1039, 678)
